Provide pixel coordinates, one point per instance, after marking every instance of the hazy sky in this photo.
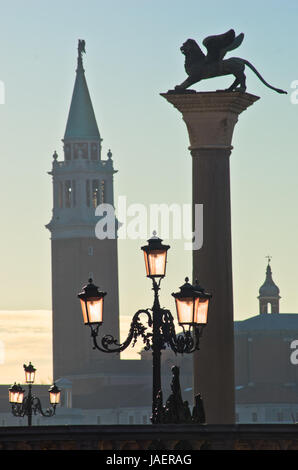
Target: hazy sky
(133, 55)
(26, 336)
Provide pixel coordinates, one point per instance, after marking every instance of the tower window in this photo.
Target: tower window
(90, 250)
(60, 195)
(102, 191)
(94, 151)
(269, 307)
(67, 188)
(81, 151)
(67, 152)
(69, 194)
(88, 193)
(95, 193)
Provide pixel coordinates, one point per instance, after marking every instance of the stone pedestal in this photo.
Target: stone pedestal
(210, 118)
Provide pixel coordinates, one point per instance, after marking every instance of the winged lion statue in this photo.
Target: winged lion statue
(199, 66)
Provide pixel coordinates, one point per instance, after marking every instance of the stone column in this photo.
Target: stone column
(210, 118)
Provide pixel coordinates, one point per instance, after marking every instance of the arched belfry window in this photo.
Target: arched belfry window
(88, 193)
(102, 191)
(95, 193)
(94, 151)
(67, 193)
(60, 195)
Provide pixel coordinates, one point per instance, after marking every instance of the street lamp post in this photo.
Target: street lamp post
(192, 304)
(30, 404)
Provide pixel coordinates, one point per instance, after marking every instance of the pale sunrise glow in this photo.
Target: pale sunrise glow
(27, 336)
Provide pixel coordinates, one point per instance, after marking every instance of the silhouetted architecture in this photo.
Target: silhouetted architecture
(266, 376)
(81, 182)
(269, 294)
(96, 387)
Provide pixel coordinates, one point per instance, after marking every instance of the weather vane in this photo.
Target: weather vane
(199, 66)
(269, 258)
(81, 48)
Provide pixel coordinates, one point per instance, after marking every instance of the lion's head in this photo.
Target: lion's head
(188, 46)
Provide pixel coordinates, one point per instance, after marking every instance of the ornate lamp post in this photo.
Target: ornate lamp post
(192, 304)
(22, 405)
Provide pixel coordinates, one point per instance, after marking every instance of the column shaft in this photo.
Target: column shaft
(214, 363)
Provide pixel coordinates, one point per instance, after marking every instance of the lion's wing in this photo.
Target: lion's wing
(236, 43)
(218, 45)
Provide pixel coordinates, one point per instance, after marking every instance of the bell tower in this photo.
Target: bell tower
(81, 181)
(269, 293)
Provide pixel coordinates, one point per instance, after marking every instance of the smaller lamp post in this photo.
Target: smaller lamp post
(30, 404)
(29, 373)
(16, 394)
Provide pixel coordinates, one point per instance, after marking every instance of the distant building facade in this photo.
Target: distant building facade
(266, 377)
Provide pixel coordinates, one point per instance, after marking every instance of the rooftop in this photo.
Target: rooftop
(269, 322)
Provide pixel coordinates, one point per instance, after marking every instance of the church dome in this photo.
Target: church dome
(269, 288)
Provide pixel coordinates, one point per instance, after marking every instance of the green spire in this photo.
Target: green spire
(81, 122)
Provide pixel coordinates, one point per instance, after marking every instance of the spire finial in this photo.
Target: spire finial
(81, 50)
(268, 270)
(81, 47)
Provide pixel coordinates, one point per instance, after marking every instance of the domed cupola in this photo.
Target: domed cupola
(269, 293)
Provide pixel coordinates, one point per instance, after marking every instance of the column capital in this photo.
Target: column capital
(210, 117)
